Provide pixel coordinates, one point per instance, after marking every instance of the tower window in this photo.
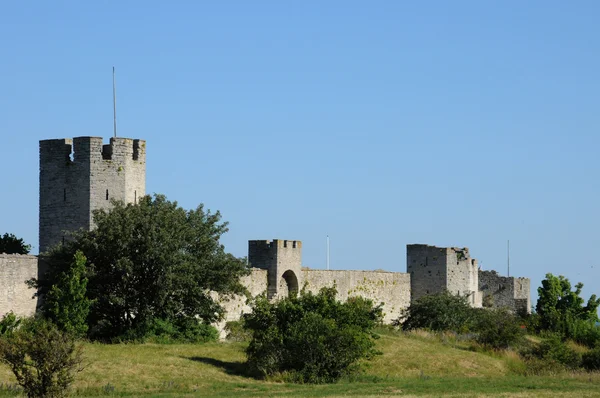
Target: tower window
(134, 197)
(107, 194)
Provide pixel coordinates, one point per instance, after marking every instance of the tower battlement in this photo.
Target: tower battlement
(80, 175)
(283, 261)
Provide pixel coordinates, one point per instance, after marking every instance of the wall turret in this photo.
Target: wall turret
(283, 261)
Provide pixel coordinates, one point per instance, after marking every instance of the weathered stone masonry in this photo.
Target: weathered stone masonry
(81, 175)
(15, 296)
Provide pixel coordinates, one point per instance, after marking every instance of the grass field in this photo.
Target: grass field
(414, 365)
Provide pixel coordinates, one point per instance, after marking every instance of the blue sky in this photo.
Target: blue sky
(385, 123)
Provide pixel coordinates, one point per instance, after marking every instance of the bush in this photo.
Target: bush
(9, 323)
(311, 338)
(163, 331)
(498, 328)
(585, 332)
(591, 359)
(236, 331)
(554, 350)
(439, 312)
(43, 358)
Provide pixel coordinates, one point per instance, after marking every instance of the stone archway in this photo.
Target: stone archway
(288, 284)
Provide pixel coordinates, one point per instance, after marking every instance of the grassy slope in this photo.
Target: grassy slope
(409, 366)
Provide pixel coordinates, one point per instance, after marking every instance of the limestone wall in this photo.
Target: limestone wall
(390, 288)
(236, 306)
(509, 292)
(15, 296)
(427, 267)
(462, 275)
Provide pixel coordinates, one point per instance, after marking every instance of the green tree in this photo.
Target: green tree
(10, 244)
(66, 303)
(43, 358)
(558, 306)
(148, 262)
(311, 338)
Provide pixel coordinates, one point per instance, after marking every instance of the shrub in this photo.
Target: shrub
(236, 331)
(591, 359)
(311, 338)
(9, 323)
(439, 312)
(585, 332)
(498, 328)
(553, 349)
(43, 358)
(164, 331)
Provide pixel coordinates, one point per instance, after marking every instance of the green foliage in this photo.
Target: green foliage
(498, 328)
(584, 332)
(439, 312)
(236, 331)
(311, 338)
(10, 244)
(9, 323)
(591, 359)
(148, 261)
(558, 306)
(43, 358)
(67, 304)
(553, 350)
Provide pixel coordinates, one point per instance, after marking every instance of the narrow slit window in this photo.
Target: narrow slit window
(134, 197)
(107, 194)
(64, 194)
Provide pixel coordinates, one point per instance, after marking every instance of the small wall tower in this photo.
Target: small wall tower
(80, 175)
(283, 261)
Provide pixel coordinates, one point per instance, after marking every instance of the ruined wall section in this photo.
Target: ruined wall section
(237, 305)
(462, 275)
(80, 175)
(390, 288)
(427, 266)
(505, 292)
(15, 296)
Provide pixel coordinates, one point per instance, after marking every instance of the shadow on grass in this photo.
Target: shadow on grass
(232, 368)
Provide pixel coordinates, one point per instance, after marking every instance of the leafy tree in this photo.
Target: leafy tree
(558, 306)
(439, 312)
(150, 261)
(10, 244)
(43, 358)
(311, 338)
(66, 303)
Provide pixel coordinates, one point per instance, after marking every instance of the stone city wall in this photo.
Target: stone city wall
(236, 306)
(15, 296)
(505, 291)
(390, 288)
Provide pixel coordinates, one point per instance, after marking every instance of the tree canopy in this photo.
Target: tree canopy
(149, 262)
(10, 244)
(558, 305)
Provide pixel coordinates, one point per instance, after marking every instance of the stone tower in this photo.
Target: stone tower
(283, 261)
(436, 269)
(80, 175)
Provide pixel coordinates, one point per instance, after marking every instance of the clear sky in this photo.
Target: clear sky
(463, 123)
